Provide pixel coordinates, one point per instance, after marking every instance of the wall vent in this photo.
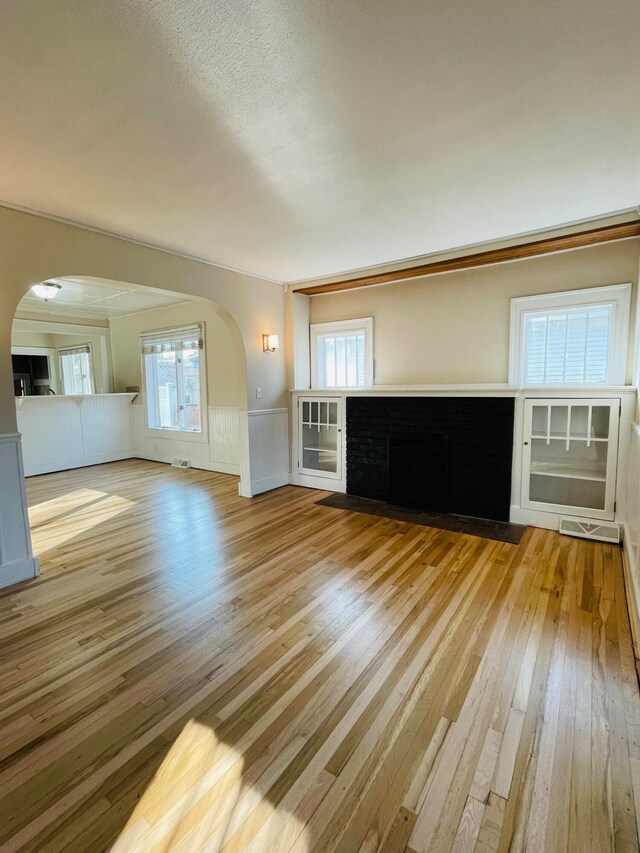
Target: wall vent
(602, 531)
(181, 463)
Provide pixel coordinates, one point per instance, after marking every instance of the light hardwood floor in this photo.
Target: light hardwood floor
(195, 671)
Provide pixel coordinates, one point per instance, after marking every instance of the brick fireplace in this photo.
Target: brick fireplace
(449, 454)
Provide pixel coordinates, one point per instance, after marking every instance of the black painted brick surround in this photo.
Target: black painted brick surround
(481, 431)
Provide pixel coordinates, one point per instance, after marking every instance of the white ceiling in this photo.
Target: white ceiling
(296, 138)
(97, 299)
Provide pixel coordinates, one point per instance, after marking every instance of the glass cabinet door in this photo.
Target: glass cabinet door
(569, 459)
(320, 434)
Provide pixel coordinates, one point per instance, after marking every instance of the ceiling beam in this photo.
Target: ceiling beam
(605, 234)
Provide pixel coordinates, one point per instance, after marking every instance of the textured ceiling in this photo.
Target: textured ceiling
(300, 138)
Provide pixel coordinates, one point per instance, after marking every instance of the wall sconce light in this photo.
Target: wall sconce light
(269, 343)
(47, 290)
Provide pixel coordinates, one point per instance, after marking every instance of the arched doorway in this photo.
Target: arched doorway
(33, 249)
(100, 412)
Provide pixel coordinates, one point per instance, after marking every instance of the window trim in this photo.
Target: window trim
(169, 433)
(339, 326)
(617, 294)
(69, 350)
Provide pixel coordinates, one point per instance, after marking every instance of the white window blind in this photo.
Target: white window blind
(574, 337)
(570, 346)
(172, 340)
(74, 350)
(341, 360)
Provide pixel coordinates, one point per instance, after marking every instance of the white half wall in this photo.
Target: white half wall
(59, 433)
(90, 430)
(17, 562)
(268, 436)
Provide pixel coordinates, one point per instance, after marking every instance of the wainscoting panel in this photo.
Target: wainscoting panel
(17, 562)
(220, 453)
(224, 426)
(63, 434)
(106, 425)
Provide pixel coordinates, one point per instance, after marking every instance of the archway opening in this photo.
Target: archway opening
(104, 372)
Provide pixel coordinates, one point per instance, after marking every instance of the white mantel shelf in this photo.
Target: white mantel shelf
(495, 390)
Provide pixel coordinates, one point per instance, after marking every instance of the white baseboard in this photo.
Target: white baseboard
(326, 484)
(202, 465)
(266, 484)
(21, 570)
(80, 462)
(546, 520)
(221, 468)
(631, 592)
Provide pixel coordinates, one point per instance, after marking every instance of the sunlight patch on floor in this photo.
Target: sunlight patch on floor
(48, 510)
(63, 528)
(201, 800)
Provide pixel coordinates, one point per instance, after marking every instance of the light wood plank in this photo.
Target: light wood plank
(197, 671)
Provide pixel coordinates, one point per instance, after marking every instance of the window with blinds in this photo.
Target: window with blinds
(572, 338)
(341, 355)
(567, 346)
(76, 369)
(173, 378)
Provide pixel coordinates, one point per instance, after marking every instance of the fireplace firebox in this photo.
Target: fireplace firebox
(420, 471)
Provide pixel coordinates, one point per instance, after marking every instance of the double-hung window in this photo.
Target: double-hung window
(76, 369)
(342, 354)
(174, 378)
(577, 337)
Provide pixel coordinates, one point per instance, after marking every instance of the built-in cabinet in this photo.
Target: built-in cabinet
(569, 459)
(568, 445)
(320, 437)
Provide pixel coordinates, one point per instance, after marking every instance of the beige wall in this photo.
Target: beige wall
(32, 339)
(454, 328)
(225, 384)
(33, 249)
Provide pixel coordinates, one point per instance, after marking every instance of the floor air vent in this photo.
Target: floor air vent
(602, 531)
(181, 463)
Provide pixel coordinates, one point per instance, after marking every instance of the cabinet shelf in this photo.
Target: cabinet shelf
(317, 449)
(564, 437)
(595, 473)
(318, 426)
